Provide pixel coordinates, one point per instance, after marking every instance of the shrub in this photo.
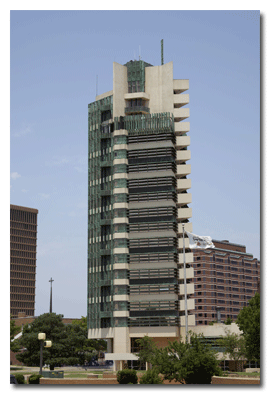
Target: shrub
(202, 374)
(127, 376)
(34, 379)
(20, 378)
(151, 377)
(228, 321)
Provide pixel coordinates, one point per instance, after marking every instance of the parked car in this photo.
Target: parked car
(91, 363)
(13, 380)
(94, 363)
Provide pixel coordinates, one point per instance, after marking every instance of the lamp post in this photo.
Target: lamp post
(42, 337)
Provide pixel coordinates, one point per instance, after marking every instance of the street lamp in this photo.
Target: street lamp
(42, 337)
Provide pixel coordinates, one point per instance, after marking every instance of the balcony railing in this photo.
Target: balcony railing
(136, 109)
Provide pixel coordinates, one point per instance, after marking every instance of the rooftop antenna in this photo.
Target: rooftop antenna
(134, 55)
(139, 52)
(162, 62)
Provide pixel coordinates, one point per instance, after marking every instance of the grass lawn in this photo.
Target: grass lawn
(16, 368)
(81, 374)
(242, 374)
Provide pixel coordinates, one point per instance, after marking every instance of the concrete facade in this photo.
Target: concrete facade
(138, 201)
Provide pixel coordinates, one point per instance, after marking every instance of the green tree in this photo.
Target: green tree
(96, 344)
(70, 344)
(228, 321)
(234, 347)
(82, 322)
(14, 330)
(54, 328)
(147, 349)
(194, 362)
(248, 322)
(79, 346)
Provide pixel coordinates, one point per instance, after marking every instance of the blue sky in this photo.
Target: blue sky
(55, 57)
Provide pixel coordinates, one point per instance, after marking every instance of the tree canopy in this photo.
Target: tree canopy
(70, 344)
(234, 346)
(147, 349)
(194, 362)
(248, 322)
(14, 330)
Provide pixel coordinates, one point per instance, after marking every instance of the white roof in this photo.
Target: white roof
(120, 356)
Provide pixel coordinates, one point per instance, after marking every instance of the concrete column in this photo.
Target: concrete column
(109, 345)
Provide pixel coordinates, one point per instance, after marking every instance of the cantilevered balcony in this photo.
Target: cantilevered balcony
(188, 227)
(183, 169)
(183, 184)
(184, 213)
(188, 256)
(190, 304)
(180, 99)
(180, 85)
(190, 319)
(182, 141)
(180, 243)
(137, 105)
(182, 155)
(184, 198)
(181, 127)
(189, 273)
(180, 114)
(190, 289)
(137, 95)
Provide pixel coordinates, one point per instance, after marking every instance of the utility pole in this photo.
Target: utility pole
(51, 280)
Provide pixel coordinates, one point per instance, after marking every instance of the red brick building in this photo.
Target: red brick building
(23, 244)
(225, 278)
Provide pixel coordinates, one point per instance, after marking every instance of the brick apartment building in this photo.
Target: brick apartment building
(225, 278)
(23, 243)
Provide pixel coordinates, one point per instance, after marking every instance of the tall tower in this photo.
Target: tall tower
(137, 201)
(23, 247)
